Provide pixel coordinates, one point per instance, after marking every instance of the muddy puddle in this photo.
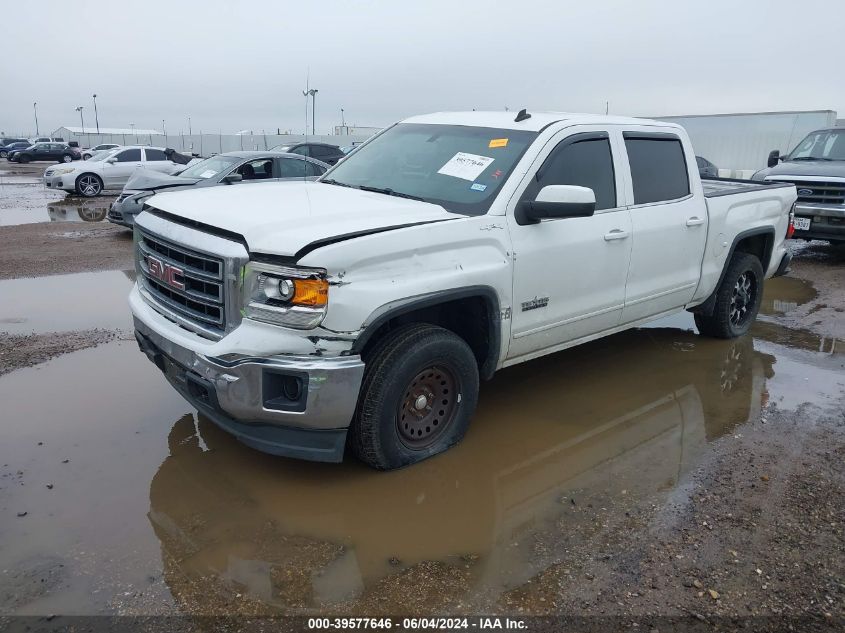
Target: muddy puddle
(66, 302)
(29, 204)
(153, 508)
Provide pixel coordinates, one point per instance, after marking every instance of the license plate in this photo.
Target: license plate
(801, 224)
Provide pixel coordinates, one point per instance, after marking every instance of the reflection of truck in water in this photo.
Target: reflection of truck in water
(629, 412)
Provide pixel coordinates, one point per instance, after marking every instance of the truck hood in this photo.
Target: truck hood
(281, 218)
(799, 168)
(148, 180)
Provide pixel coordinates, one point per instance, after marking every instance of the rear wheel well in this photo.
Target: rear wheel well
(759, 245)
(473, 318)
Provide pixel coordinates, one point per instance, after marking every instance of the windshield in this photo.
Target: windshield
(824, 145)
(458, 167)
(210, 167)
(101, 155)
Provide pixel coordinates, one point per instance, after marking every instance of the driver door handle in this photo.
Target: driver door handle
(695, 221)
(615, 234)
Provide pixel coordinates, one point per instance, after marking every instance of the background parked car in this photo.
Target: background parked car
(42, 139)
(706, 169)
(5, 150)
(60, 152)
(223, 169)
(88, 153)
(321, 151)
(110, 170)
(9, 141)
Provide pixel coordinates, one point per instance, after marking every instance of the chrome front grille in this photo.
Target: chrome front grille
(821, 192)
(186, 282)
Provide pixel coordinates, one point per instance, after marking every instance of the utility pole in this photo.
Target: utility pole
(132, 125)
(35, 109)
(96, 115)
(342, 120)
(164, 130)
(81, 119)
(189, 126)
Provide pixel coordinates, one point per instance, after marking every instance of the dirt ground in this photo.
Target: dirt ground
(599, 522)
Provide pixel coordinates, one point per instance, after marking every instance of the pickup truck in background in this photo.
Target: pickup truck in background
(817, 169)
(362, 309)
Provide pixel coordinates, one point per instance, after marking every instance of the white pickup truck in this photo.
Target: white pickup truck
(361, 310)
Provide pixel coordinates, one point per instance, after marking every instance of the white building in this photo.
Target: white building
(740, 143)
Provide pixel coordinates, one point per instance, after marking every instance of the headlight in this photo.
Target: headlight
(288, 296)
(63, 170)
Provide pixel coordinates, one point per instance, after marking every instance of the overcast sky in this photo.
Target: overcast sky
(242, 65)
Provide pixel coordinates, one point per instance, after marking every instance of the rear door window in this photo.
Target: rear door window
(155, 154)
(658, 167)
(291, 168)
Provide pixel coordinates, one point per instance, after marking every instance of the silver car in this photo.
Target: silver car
(223, 169)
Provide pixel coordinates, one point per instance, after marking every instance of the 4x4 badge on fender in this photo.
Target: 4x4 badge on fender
(536, 302)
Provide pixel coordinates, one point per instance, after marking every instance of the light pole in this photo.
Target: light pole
(164, 130)
(189, 127)
(132, 125)
(313, 92)
(342, 120)
(96, 115)
(35, 109)
(81, 119)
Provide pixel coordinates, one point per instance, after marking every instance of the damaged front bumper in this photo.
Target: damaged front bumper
(297, 405)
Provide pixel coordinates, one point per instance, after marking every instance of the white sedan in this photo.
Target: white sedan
(108, 170)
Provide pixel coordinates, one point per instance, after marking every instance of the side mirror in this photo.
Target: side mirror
(774, 158)
(558, 201)
(112, 160)
(232, 178)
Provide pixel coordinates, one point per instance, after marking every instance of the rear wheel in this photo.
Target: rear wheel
(67, 158)
(419, 392)
(89, 185)
(737, 299)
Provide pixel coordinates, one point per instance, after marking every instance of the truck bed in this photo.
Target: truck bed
(714, 187)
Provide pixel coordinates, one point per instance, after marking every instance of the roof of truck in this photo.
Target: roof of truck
(537, 122)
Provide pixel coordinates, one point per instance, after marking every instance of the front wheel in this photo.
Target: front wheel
(737, 299)
(22, 159)
(89, 185)
(419, 392)
(4, 154)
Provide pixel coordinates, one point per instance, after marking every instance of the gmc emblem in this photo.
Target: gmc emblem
(171, 275)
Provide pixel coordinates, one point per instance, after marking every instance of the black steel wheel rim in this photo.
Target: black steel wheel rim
(428, 407)
(743, 299)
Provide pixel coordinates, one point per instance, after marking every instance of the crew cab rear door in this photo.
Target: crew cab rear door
(669, 220)
(569, 273)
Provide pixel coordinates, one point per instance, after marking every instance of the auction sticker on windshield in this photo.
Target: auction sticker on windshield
(465, 166)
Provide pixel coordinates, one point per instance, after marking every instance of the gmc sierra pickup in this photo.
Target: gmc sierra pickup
(362, 309)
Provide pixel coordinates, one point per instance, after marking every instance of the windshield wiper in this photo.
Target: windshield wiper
(389, 192)
(811, 158)
(329, 181)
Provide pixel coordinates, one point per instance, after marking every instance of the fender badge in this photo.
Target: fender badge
(536, 302)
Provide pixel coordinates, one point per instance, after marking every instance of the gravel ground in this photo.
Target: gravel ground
(17, 351)
(35, 250)
(755, 531)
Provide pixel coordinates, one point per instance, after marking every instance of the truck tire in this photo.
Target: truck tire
(419, 392)
(737, 299)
